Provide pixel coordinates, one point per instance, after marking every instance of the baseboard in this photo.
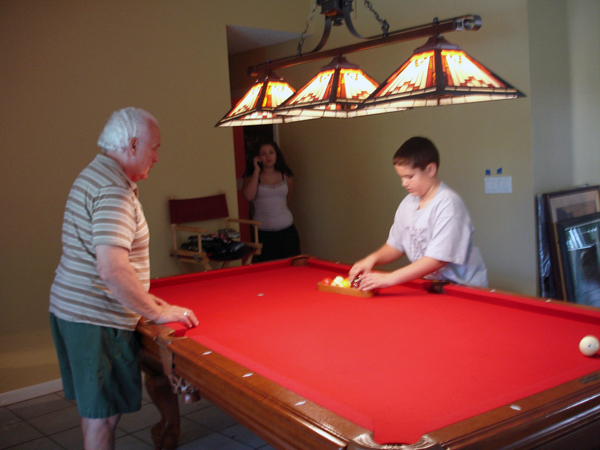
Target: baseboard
(20, 395)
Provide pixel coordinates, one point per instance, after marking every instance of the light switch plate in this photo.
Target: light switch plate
(498, 185)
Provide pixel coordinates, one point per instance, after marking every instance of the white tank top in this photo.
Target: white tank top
(270, 207)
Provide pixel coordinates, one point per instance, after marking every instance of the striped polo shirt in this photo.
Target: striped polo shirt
(102, 209)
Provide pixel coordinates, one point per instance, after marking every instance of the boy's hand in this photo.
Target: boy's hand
(374, 280)
(361, 267)
(384, 255)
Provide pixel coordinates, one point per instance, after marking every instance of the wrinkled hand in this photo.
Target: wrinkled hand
(172, 313)
(374, 280)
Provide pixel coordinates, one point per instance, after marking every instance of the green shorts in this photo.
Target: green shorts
(100, 367)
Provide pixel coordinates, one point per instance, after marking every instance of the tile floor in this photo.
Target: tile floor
(51, 423)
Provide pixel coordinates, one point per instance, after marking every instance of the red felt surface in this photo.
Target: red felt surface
(402, 363)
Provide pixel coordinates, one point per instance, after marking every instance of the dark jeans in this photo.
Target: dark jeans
(278, 244)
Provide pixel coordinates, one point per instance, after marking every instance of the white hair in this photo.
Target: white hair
(122, 126)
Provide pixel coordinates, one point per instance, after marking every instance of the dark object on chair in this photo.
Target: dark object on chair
(202, 246)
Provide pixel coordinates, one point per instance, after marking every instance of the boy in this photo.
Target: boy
(432, 227)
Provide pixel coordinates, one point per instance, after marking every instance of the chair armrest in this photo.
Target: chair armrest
(255, 243)
(175, 228)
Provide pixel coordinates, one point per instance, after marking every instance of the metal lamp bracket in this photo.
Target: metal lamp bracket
(337, 12)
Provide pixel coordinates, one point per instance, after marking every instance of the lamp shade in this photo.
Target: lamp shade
(336, 91)
(256, 107)
(438, 73)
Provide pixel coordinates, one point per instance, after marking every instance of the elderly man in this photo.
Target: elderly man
(101, 284)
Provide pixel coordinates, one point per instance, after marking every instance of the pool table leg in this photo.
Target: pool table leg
(165, 433)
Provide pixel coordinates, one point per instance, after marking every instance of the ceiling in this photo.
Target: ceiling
(243, 39)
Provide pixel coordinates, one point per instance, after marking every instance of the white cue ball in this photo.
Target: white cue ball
(589, 345)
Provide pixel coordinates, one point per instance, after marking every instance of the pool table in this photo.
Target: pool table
(416, 366)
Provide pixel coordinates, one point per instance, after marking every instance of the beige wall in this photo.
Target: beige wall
(584, 42)
(66, 65)
(565, 75)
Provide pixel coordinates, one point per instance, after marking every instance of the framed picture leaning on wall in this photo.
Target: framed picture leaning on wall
(580, 249)
(565, 205)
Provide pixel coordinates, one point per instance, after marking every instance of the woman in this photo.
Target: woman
(268, 186)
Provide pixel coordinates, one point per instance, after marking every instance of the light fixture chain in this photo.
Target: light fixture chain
(385, 26)
(305, 32)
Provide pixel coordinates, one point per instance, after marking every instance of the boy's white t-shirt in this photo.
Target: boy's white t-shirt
(441, 230)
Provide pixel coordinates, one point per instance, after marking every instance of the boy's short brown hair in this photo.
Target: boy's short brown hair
(418, 152)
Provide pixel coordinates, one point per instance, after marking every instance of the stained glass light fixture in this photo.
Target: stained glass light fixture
(256, 107)
(336, 91)
(438, 73)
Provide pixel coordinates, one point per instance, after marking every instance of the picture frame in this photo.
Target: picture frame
(566, 205)
(579, 241)
(546, 280)
(573, 203)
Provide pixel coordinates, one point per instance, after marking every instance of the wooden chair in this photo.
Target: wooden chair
(214, 208)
